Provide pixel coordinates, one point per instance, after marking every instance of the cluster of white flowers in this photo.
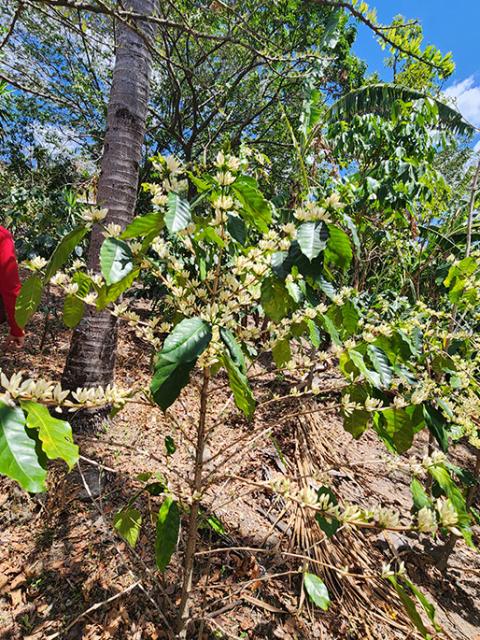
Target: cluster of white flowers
(25, 388)
(18, 387)
(171, 172)
(311, 212)
(227, 162)
(100, 396)
(388, 572)
(94, 215)
(36, 264)
(112, 230)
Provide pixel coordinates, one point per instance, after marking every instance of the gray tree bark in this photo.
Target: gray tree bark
(92, 354)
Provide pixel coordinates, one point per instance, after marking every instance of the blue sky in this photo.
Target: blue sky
(451, 26)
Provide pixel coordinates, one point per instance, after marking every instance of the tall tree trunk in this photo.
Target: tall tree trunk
(91, 359)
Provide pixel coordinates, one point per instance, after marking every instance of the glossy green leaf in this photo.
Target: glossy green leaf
(236, 228)
(110, 293)
(358, 360)
(116, 260)
(178, 215)
(73, 310)
(166, 537)
(234, 349)
(142, 226)
(410, 607)
(419, 495)
(240, 387)
(339, 249)
(173, 365)
(329, 525)
(437, 425)
(254, 205)
(128, 523)
(63, 250)
(428, 607)
(357, 422)
(398, 425)
(317, 591)
(54, 434)
(312, 238)
(170, 445)
(28, 300)
(281, 353)
(275, 299)
(18, 455)
(381, 364)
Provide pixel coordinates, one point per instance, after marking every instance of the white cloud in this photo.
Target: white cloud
(466, 96)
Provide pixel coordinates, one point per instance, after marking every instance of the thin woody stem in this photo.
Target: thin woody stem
(184, 608)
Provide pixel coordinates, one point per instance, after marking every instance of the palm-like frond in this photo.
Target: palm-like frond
(379, 98)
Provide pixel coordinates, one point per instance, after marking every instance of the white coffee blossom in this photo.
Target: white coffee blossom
(446, 512)
(223, 202)
(427, 523)
(112, 230)
(71, 288)
(225, 178)
(59, 279)
(387, 518)
(95, 215)
(37, 263)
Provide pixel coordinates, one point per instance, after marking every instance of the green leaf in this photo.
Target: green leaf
(314, 333)
(331, 329)
(426, 604)
(170, 445)
(275, 299)
(108, 294)
(350, 318)
(18, 456)
(234, 349)
(339, 249)
(178, 215)
(437, 425)
(281, 353)
(28, 300)
(372, 376)
(410, 608)
(328, 524)
(254, 205)
(54, 434)
(379, 98)
(168, 527)
(419, 495)
(236, 228)
(183, 346)
(128, 523)
(84, 283)
(144, 225)
(312, 238)
(398, 425)
(352, 227)
(73, 310)
(155, 488)
(357, 422)
(215, 524)
(116, 260)
(240, 387)
(381, 364)
(64, 250)
(317, 591)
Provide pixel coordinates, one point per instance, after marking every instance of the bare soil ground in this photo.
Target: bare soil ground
(65, 573)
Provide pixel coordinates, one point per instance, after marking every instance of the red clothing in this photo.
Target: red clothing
(9, 280)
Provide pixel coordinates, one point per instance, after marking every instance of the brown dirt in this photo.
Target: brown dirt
(60, 556)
